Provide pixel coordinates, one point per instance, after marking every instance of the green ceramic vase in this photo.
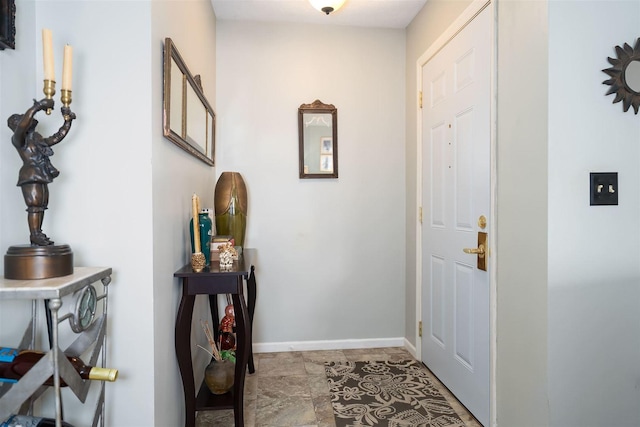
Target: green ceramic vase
(230, 202)
(204, 223)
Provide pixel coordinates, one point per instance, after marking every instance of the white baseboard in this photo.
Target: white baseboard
(411, 349)
(330, 345)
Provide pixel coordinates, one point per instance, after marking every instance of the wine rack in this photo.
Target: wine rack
(88, 321)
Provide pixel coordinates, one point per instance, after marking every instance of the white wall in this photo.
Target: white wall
(331, 251)
(17, 86)
(105, 171)
(123, 197)
(594, 273)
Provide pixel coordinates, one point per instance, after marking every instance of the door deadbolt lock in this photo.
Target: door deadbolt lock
(482, 222)
(480, 251)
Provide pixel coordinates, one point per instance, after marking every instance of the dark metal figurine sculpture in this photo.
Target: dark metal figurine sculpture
(37, 171)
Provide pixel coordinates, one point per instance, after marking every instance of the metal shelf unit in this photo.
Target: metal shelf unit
(90, 332)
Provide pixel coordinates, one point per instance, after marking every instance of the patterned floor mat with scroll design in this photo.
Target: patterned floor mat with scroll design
(387, 393)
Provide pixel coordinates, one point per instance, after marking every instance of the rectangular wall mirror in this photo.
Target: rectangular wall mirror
(188, 119)
(318, 140)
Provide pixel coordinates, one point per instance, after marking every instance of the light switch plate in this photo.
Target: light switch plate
(603, 188)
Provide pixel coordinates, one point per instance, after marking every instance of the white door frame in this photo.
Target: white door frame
(469, 14)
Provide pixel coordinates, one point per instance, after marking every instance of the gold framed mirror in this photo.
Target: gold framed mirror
(318, 140)
(188, 119)
(625, 76)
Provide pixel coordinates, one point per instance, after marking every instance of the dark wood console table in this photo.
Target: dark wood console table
(211, 281)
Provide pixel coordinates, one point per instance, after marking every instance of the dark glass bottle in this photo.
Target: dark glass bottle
(29, 421)
(14, 364)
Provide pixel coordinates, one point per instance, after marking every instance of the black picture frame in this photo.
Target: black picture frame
(7, 24)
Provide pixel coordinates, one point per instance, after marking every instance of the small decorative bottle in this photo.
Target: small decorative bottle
(227, 338)
(204, 221)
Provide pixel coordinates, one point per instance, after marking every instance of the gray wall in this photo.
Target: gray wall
(331, 251)
(567, 326)
(594, 273)
(522, 200)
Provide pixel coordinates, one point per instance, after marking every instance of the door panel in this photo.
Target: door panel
(438, 154)
(463, 315)
(456, 191)
(464, 170)
(437, 300)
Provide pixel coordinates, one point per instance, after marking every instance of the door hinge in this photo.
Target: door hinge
(420, 328)
(420, 214)
(420, 99)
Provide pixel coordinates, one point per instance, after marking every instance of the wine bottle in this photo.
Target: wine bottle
(16, 363)
(28, 421)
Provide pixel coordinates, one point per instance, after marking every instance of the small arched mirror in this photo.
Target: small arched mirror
(318, 140)
(625, 76)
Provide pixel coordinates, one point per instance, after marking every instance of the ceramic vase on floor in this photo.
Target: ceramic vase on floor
(219, 376)
(231, 206)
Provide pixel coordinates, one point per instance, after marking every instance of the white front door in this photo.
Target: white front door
(456, 134)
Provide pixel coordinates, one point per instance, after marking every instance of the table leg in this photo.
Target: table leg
(54, 305)
(215, 316)
(251, 296)
(243, 332)
(183, 353)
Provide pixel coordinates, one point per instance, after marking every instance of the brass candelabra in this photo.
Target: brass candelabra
(49, 90)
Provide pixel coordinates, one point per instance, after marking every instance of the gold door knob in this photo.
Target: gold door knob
(479, 251)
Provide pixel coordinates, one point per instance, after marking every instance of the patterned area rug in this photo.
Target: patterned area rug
(387, 393)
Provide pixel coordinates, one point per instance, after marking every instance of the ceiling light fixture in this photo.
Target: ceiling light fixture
(327, 6)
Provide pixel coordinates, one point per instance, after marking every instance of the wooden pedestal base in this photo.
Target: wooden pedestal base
(28, 262)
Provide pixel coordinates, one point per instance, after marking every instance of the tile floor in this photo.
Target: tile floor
(290, 390)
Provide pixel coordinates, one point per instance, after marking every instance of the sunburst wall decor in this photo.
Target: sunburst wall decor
(618, 81)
